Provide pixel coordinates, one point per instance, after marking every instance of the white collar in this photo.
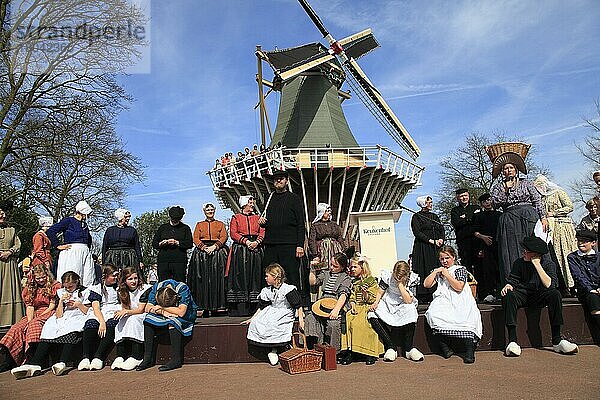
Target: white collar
(590, 253)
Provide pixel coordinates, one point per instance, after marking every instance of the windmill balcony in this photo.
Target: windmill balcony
(282, 158)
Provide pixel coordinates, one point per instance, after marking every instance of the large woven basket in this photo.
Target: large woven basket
(498, 149)
(298, 360)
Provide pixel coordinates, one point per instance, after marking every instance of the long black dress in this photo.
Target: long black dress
(425, 225)
(121, 247)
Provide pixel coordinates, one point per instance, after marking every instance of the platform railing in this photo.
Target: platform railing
(235, 172)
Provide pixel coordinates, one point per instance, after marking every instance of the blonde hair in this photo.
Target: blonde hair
(276, 271)
(366, 270)
(31, 287)
(401, 272)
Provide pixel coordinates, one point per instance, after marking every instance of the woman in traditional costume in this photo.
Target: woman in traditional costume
(520, 201)
(11, 302)
(429, 237)
(206, 272)
(244, 271)
(325, 238)
(560, 225)
(75, 252)
(121, 244)
(41, 242)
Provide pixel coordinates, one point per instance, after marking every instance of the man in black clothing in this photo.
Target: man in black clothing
(485, 224)
(173, 240)
(532, 282)
(461, 218)
(285, 231)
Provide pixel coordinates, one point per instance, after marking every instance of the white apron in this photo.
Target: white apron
(392, 309)
(78, 259)
(274, 323)
(73, 320)
(132, 326)
(450, 310)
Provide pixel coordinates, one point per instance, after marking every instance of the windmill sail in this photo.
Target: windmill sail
(377, 105)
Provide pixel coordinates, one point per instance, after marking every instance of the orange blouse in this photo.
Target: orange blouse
(210, 231)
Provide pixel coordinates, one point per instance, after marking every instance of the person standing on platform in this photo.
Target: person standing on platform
(75, 252)
(244, 267)
(558, 207)
(11, 302)
(429, 237)
(461, 218)
(533, 282)
(485, 224)
(206, 273)
(173, 240)
(325, 239)
(41, 242)
(285, 232)
(521, 203)
(121, 244)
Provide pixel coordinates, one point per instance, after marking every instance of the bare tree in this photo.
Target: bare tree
(51, 53)
(468, 166)
(584, 187)
(88, 161)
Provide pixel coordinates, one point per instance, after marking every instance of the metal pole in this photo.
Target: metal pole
(260, 96)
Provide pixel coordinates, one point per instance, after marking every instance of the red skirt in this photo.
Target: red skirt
(23, 333)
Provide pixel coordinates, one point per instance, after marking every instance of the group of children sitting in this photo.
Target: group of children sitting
(360, 316)
(121, 311)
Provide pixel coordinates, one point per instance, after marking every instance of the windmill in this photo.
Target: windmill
(312, 139)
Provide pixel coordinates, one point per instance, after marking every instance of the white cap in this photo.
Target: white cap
(120, 213)
(83, 208)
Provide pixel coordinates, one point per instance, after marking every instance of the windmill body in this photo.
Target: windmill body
(312, 139)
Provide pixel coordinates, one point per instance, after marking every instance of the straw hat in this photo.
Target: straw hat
(324, 306)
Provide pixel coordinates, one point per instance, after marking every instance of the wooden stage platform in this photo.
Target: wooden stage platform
(223, 339)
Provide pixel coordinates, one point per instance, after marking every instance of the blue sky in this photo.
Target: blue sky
(447, 68)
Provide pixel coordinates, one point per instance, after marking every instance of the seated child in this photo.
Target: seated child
(394, 312)
(271, 325)
(533, 282)
(323, 324)
(585, 269)
(453, 312)
(129, 332)
(62, 329)
(39, 296)
(170, 306)
(99, 330)
(360, 338)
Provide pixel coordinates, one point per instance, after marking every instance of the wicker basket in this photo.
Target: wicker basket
(298, 360)
(472, 284)
(498, 149)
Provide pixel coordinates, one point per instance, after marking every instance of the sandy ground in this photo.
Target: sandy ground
(537, 374)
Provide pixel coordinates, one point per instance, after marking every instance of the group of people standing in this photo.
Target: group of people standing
(520, 255)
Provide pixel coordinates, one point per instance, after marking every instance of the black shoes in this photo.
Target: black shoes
(469, 352)
(169, 366)
(144, 365)
(346, 359)
(370, 360)
(445, 350)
